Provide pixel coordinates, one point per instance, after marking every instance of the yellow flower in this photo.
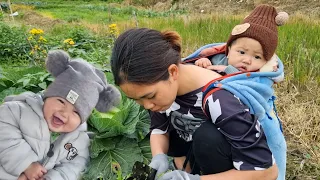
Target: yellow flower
(42, 39)
(66, 41)
(30, 38)
(36, 47)
(113, 26)
(113, 30)
(40, 31)
(36, 31)
(32, 31)
(71, 42)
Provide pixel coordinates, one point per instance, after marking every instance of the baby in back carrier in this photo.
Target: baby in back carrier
(251, 48)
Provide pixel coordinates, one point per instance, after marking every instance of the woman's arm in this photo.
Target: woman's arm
(159, 147)
(159, 138)
(159, 143)
(268, 174)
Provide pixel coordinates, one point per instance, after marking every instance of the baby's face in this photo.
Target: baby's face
(246, 54)
(60, 115)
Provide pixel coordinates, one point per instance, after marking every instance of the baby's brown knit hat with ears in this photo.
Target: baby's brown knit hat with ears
(261, 25)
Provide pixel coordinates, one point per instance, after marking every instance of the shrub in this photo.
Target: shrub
(13, 43)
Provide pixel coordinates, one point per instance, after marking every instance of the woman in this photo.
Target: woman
(226, 142)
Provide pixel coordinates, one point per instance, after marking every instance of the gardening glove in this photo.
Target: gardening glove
(160, 163)
(179, 175)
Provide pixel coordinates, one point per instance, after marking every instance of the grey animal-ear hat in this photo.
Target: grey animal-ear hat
(80, 83)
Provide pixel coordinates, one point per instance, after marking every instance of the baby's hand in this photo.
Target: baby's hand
(22, 177)
(35, 171)
(275, 68)
(203, 62)
(220, 68)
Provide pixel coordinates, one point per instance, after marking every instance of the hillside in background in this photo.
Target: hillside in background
(305, 7)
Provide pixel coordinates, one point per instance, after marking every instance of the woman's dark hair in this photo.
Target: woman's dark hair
(143, 55)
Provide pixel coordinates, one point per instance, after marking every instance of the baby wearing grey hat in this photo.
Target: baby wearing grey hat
(27, 121)
(80, 83)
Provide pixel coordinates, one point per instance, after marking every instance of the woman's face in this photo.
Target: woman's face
(155, 97)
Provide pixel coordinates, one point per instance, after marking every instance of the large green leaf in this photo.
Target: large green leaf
(122, 122)
(109, 127)
(146, 150)
(121, 158)
(30, 78)
(142, 126)
(96, 116)
(144, 122)
(99, 145)
(5, 83)
(16, 74)
(132, 117)
(3, 86)
(116, 142)
(10, 91)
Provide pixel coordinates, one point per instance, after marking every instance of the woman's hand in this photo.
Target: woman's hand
(160, 163)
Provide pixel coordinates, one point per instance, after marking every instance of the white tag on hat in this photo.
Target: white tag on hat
(72, 97)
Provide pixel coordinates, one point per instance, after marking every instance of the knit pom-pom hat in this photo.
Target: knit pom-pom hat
(261, 25)
(80, 83)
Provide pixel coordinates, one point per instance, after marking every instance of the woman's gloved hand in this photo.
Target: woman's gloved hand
(160, 163)
(179, 175)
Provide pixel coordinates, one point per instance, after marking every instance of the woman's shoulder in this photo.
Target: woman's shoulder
(202, 76)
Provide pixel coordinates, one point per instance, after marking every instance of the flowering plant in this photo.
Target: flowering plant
(37, 43)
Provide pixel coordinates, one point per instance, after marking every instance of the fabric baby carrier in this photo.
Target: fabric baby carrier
(255, 90)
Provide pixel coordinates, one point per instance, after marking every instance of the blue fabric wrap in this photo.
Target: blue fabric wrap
(197, 52)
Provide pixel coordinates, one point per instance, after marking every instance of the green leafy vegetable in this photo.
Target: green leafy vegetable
(119, 142)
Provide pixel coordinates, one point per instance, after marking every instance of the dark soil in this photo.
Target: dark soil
(141, 171)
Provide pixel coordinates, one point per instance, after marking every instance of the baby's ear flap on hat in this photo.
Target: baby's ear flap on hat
(108, 98)
(57, 61)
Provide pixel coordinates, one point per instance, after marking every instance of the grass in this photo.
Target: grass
(300, 112)
(93, 12)
(299, 43)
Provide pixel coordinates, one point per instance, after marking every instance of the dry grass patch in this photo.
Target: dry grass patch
(37, 20)
(300, 114)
